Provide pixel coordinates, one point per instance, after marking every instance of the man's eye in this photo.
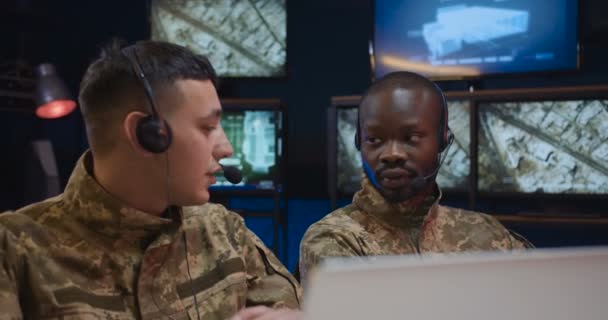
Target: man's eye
(372, 140)
(414, 138)
(209, 128)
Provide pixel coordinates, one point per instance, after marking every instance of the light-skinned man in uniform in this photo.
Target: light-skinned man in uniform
(133, 235)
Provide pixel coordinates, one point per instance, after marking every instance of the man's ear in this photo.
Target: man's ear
(129, 127)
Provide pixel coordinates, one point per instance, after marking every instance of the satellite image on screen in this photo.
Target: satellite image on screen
(545, 147)
(252, 135)
(475, 37)
(453, 175)
(349, 159)
(242, 38)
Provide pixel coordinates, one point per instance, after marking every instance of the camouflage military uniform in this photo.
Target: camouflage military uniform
(371, 226)
(85, 255)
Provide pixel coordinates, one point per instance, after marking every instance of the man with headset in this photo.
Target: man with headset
(402, 133)
(132, 236)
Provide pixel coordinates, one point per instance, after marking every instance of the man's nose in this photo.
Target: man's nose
(394, 152)
(223, 147)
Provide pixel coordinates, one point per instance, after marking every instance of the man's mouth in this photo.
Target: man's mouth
(395, 183)
(215, 170)
(211, 174)
(395, 178)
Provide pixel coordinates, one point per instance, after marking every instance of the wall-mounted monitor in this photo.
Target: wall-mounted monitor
(242, 38)
(459, 39)
(255, 135)
(548, 147)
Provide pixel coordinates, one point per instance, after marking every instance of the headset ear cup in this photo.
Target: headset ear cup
(444, 138)
(446, 134)
(153, 134)
(449, 138)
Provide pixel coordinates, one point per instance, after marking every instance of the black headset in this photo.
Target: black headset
(153, 133)
(446, 136)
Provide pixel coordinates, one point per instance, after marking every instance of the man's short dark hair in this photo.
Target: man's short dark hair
(109, 86)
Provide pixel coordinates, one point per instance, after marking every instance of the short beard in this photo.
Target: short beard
(397, 197)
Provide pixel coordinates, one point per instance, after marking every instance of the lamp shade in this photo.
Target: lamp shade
(53, 99)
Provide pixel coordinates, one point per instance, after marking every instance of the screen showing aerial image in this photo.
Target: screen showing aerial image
(349, 159)
(242, 38)
(544, 147)
(453, 175)
(253, 138)
(475, 37)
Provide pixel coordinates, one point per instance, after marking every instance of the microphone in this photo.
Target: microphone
(419, 182)
(232, 174)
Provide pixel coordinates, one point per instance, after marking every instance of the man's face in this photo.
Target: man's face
(199, 141)
(399, 138)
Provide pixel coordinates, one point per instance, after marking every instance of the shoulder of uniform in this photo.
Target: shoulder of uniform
(482, 223)
(338, 221)
(212, 213)
(467, 216)
(483, 226)
(23, 226)
(36, 210)
(27, 218)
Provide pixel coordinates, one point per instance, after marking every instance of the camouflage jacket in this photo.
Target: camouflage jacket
(372, 226)
(85, 255)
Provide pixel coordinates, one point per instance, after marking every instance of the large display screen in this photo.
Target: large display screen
(544, 147)
(453, 175)
(456, 38)
(242, 38)
(253, 136)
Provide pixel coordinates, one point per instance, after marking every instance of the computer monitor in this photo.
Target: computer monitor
(255, 135)
(468, 39)
(241, 38)
(545, 146)
(556, 284)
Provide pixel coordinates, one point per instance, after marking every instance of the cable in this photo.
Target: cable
(173, 214)
(198, 316)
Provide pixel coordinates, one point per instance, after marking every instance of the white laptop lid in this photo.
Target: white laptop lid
(553, 284)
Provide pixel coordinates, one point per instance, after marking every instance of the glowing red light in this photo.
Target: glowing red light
(55, 109)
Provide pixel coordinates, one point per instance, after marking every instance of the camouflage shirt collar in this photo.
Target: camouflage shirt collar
(96, 208)
(402, 214)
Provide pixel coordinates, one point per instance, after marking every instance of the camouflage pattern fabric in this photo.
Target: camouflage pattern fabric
(372, 226)
(85, 255)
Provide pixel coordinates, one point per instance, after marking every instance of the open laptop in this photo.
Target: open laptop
(552, 284)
